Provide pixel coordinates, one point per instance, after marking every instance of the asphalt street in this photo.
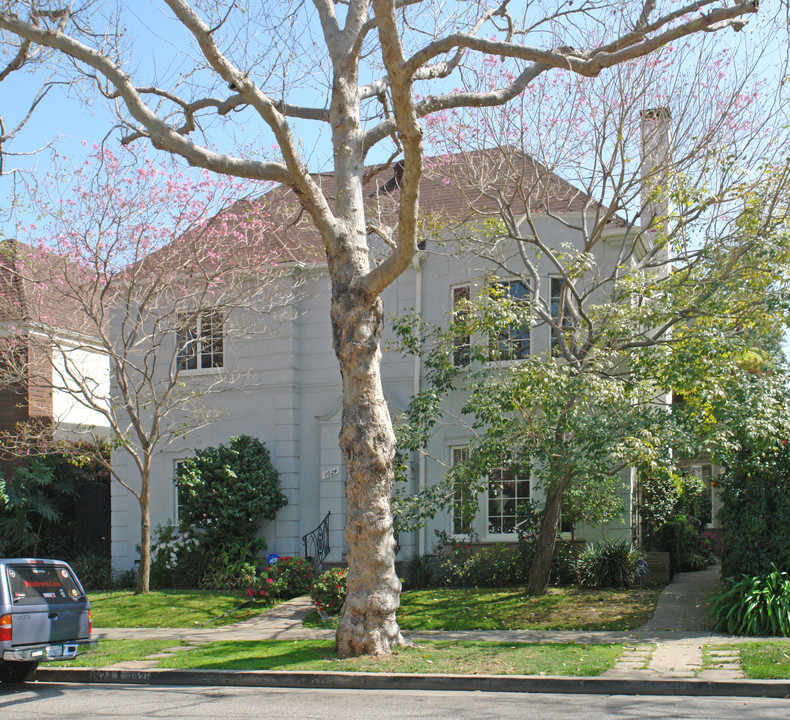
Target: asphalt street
(125, 702)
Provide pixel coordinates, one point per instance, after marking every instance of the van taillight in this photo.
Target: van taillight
(5, 628)
(90, 621)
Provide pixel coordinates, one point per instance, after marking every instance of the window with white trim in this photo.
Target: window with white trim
(200, 341)
(508, 501)
(513, 342)
(461, 343)
(558, 312)
(462, 497)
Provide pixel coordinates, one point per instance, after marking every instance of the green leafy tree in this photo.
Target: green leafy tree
(578, 415)
(224, 492)
(28, 507)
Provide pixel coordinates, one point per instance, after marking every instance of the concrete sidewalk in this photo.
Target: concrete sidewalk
(662, 657)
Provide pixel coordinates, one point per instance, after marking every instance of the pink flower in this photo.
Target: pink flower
(250, 592)
(269, 580)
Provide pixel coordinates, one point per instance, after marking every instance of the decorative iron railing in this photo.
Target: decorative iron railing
(316, 544)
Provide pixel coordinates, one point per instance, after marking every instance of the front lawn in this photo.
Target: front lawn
(170, 608)
(110, 652)
(430, 657)
(768, 660)
(566, 608)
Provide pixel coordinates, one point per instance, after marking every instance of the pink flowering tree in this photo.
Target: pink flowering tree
(365, 75)
(137, 275)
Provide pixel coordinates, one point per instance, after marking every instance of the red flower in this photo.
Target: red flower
(715, 484)
(269, 580)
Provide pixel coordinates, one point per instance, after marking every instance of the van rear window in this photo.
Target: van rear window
(31, 584)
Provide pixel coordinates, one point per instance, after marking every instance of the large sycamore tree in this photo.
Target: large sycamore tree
(366, 72)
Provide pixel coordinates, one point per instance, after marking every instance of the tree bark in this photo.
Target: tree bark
(144, 571)
(540, 570)
(367, 623)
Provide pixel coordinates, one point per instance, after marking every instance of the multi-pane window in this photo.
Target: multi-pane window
(513, 341)
(508, 501)
(557, 315)
(461, 343)
(200, 341)
(462, 496)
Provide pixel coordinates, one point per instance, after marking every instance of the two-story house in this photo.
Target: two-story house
(287, 387)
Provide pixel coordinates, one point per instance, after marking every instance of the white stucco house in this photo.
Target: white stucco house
(285, 387)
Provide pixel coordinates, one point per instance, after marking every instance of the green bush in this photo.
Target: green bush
(329, 591)
(757, 605)
(682, 539)
(223, 492)
(39, 505)
(755, 511)
(291, 576)
(94, 570)
(418, 570)
(459, 565)
(563, 564)
(611, 563)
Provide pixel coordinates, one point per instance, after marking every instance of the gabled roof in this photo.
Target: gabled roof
(29, 292)
(454, 188)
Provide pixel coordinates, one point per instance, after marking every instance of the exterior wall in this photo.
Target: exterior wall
(288, 394)
(80, 376)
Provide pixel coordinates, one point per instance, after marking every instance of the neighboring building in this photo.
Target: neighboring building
(43, 339)
(290, 397)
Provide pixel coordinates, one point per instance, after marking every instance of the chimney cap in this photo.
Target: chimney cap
(657, 113)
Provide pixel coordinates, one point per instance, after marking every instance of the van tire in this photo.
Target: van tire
(17, 671)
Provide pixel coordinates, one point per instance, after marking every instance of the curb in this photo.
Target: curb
(387, 681)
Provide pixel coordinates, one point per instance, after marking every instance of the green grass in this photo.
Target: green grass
(567, 608)
(109, 652)
(169, 608)
(430, 657)
(765, 660)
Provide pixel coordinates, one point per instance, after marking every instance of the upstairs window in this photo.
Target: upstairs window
(513, 342)
(200, 341)
(461, 343)
(559, 313)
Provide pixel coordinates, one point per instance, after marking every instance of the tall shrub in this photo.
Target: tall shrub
(223, 492)
(755, 511)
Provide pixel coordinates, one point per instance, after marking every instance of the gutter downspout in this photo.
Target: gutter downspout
(417, 385)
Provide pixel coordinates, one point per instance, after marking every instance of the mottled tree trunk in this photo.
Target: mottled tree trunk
(540, 570)
(367, 623)
(144, 571)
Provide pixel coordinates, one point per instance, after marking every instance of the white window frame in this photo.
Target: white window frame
(494, 341)
(458, 347)
(517, 480)
(553, 342)
(191, 341)
(463, 454)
